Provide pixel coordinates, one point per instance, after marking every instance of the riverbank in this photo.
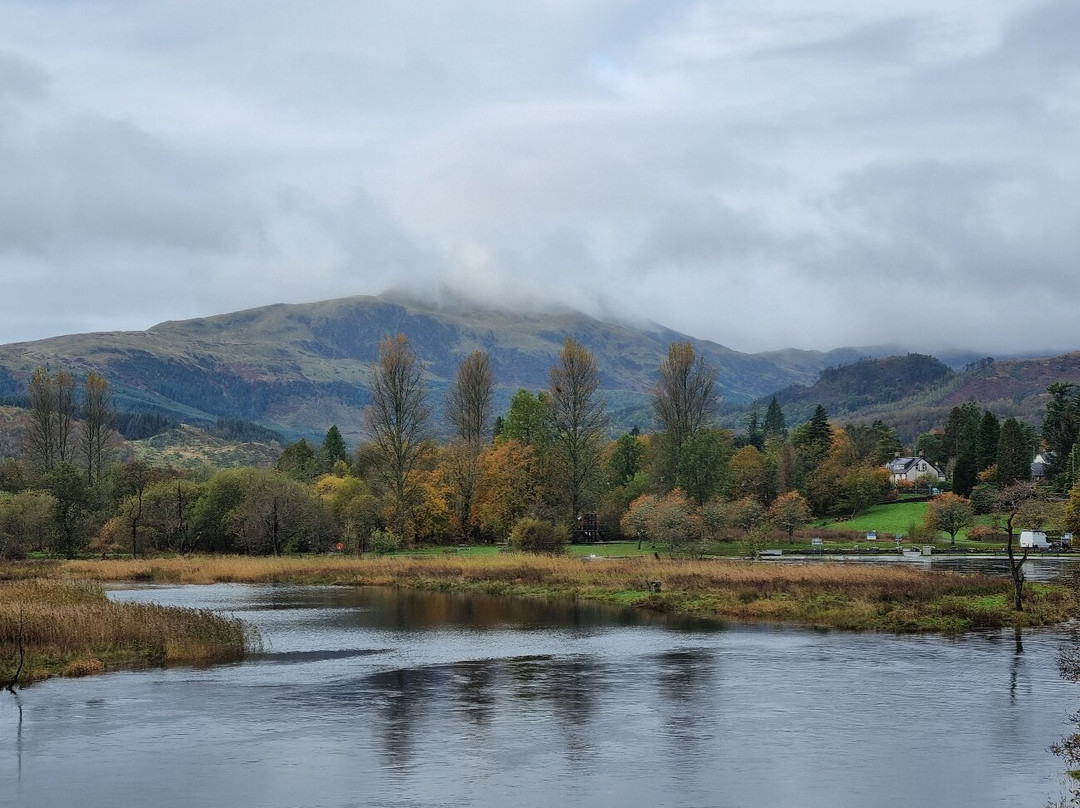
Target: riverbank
(851, 597)
(58, 627)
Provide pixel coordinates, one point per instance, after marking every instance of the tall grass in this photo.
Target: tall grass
(73, 628)
(849, 596)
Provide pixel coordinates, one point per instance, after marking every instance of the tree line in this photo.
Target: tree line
(540, 474)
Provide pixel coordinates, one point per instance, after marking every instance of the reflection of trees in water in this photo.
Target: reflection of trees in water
(18, 734)
(408, 610)
(1017, 658)
(473, 685)
(686, 681)
(570, 686)
(404, 698)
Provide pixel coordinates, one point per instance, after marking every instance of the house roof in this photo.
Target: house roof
(902, 465)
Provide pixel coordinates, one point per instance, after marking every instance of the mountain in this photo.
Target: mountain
(914, 393)
(299, 368)
(863, 385)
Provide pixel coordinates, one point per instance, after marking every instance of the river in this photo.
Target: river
(374, 697)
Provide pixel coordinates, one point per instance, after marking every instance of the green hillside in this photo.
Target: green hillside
(300, 368)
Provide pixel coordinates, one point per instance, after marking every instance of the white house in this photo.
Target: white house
(911, 468)
(1039, 464)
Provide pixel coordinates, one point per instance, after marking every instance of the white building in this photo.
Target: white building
(911, 468)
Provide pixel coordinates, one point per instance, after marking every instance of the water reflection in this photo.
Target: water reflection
(1014, 669)
(372, 697)
(686, 680)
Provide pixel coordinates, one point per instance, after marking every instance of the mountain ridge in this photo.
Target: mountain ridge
(298, 368)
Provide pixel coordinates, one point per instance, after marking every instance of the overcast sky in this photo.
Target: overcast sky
(762, 174)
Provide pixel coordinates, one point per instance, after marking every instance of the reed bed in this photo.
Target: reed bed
(845, 596)
(71, 628)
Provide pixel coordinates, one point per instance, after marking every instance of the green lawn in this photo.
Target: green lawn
(888, 519)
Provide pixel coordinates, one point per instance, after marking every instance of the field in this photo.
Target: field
(888, 519)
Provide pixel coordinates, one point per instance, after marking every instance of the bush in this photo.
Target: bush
(384, 541)
(984, 533)
(982, 498)
(537, 536)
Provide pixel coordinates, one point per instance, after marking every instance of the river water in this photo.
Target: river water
(373, 697)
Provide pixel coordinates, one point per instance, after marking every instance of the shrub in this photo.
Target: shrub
(384, 541)
(537, 536)
(982, 498)
(984, 533)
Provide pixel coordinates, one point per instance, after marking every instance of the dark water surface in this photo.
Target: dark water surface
(383, 698)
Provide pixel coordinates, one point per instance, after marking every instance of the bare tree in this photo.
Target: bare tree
(398, 420)
(1012, 501)
(469, 411)
(97, 425)
(684, 401)
(579, 419)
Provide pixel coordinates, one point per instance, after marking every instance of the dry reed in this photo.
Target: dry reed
(73, 628)
(854, 596)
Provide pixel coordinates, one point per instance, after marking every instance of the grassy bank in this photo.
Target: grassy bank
(72, 629)
(858, 597)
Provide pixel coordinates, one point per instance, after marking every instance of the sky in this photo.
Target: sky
(767, 174)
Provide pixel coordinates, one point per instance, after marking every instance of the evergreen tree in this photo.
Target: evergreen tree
(333, 449)
(962, 428)
(775, 425)
(965, 472)
(754, 435)
(986, 451)
(1061, 426)
(1013, 456)
(816, 438)
(888, 443)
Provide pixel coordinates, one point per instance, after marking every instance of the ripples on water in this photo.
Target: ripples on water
(384, 698)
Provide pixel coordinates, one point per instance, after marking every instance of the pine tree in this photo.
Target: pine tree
(1013, 457)
(1061, 425)
(333, 449)
(817, 439)
(987, 443)
(775, 425)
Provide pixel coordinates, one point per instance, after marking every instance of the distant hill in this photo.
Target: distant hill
(914, 393)
(865, 384)
(297, 369)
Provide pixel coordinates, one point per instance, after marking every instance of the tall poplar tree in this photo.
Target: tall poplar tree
(52, 415)
(684, 402)
(96, 428)
(468, 413)
(398, 420)
(579, 420)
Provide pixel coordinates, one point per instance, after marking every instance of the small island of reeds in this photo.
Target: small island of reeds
(57, 626)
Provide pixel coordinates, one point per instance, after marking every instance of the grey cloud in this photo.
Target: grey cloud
(891, 40)
(91, 180)
(759, 174)
(20, 78)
